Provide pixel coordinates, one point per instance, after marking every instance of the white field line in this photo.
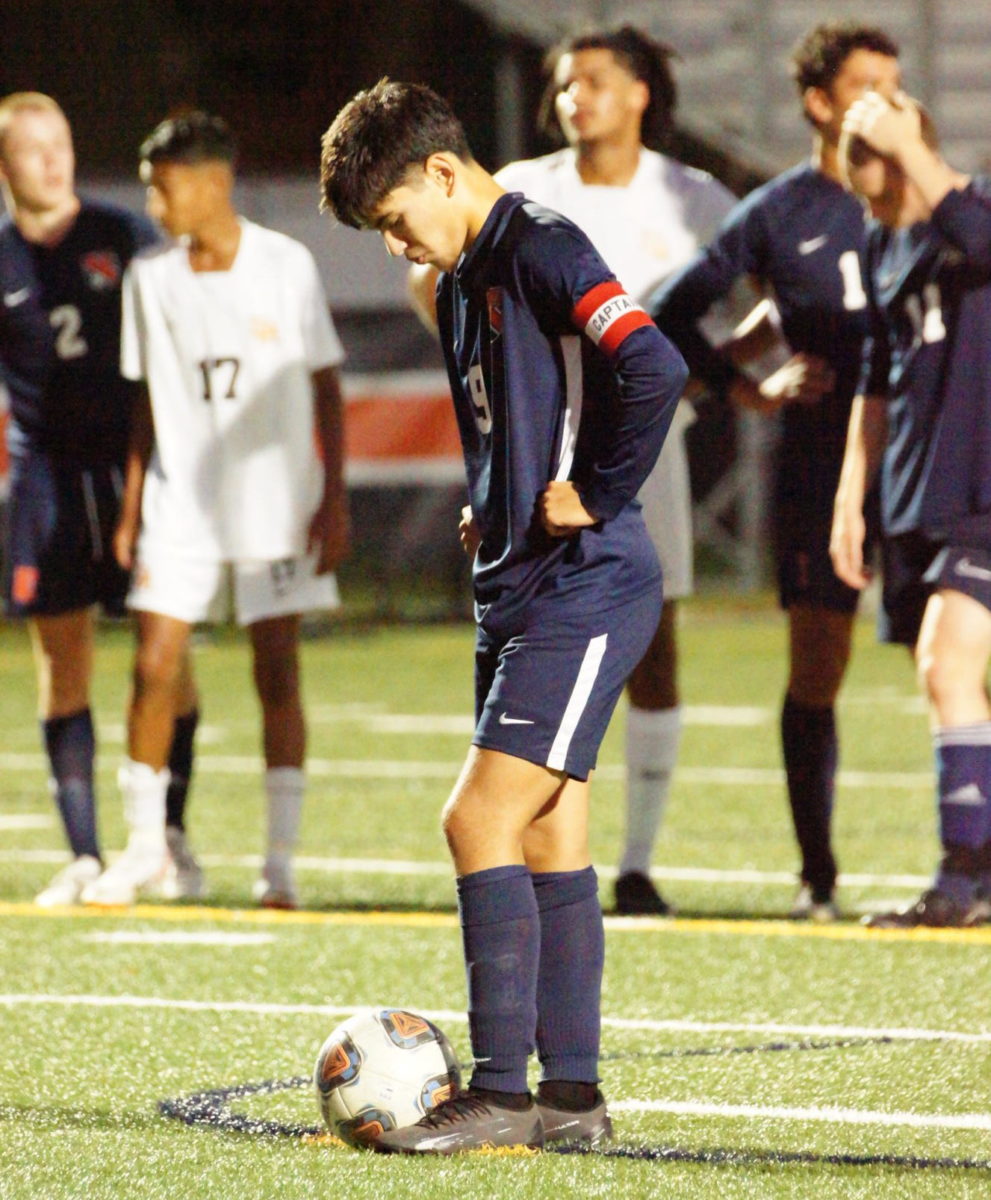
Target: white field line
(322, 768)
(836, 1116)
(637, 1024)
(405, 867)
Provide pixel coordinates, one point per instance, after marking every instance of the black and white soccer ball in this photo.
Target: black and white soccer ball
(383, 1069)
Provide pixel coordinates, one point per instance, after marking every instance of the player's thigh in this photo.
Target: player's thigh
(546, 693)
(952, 657)
(162, 653)
(63, 655)
(653, 683)
(819, 651)
(265, 590)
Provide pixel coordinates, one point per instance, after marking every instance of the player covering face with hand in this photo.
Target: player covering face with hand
(563, 391)
(920, 423)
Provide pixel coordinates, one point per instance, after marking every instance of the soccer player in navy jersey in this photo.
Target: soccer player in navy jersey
(800, 238)
(921, 420)
(62, 259)
(564, 391)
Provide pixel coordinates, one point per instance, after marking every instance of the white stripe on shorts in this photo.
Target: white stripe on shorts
(580, 693)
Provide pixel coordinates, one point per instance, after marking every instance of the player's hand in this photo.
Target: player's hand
(124, 541)
(329, 535)
(468, 532)
(885, 125)
(846, 545)
(804, 379)
(561, 510)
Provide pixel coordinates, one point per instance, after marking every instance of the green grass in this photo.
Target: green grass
(730, 1008)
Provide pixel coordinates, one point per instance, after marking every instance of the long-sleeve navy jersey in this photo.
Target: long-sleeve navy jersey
(929, 355)
(60, 334)
(556, 374)
(801, 238)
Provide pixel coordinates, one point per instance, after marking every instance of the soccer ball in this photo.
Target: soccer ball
(383, 1070)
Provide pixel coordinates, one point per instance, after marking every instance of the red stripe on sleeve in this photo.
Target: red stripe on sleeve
(593, 300)
(619, 330)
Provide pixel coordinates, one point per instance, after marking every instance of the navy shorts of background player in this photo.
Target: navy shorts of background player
(930, 295)
(556, 374)
(69, 409)
(801, 238)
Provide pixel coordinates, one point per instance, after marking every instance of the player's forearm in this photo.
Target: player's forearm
(934, 178)
(866, 437)
(652, 376)
(328, 405)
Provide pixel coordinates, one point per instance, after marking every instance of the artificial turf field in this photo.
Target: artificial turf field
(744, 1055)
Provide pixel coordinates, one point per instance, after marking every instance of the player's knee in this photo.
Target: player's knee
(156, 667)
(938, 678)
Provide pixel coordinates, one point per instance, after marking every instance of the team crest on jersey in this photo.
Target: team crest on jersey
(102, 269)
(493, 298)
(264, 330)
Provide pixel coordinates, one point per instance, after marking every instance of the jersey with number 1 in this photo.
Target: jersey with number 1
(228, 358)
(928, 354)
(60, 335)
(557, 374)
(801, 238)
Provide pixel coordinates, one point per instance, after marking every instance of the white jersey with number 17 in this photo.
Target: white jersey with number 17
(228, 357)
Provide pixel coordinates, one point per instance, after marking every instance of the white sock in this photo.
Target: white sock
(285, 787)
(652, 739)
(143, 791)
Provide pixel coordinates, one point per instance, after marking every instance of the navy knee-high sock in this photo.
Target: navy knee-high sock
(180, 768)
(71, 746)
(963, 767)
(501, 935)
(811, 752)
(572, 952)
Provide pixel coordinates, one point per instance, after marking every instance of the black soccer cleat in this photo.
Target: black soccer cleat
(933, 910)
(466, 1122)
(636, 896)
(588, 1128)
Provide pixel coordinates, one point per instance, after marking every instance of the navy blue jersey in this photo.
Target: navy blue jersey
(556, 374)
(930, 296)
(60, 335)
(800, 237)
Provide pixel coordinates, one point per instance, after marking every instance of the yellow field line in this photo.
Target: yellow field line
(262, 916)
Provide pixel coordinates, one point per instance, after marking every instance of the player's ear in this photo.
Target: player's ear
(640, 96)
(440, 170)
(818, 105)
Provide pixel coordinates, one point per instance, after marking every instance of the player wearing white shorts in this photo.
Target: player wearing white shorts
(646, 214)
(228, 328)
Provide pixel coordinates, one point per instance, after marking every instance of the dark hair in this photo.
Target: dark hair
(818, 57)
(191, 137)
(376, 138)
(645, 59)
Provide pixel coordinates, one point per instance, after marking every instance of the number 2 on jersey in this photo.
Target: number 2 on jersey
(219, 378)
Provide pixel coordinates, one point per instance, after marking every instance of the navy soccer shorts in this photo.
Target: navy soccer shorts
(908, 561)
(805, 571)
(547, 693)
(60, 523)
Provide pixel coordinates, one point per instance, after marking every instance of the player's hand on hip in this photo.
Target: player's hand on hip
(468, 532)
(804, 379)
(846, 546)
(561, 510)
